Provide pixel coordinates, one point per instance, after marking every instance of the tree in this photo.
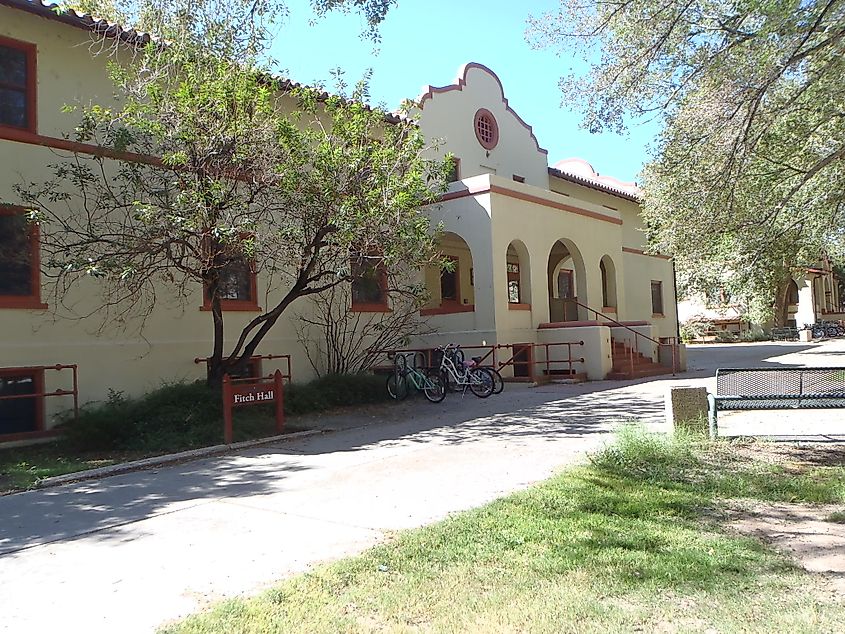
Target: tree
(215, 168)
(748, 170)
(339, 341)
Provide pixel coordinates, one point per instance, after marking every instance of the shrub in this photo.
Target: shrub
(695, 328)
(181, 416)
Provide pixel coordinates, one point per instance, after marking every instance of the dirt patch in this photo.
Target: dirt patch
(795, 454)
(812, 535)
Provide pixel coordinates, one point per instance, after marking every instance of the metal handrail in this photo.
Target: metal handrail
(672, 343)
(74, 391)
(261, 357)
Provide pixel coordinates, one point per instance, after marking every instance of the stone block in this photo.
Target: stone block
(686, 408)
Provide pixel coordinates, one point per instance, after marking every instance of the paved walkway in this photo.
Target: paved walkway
(129, 552)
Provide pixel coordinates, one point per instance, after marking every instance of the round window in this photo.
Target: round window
(486, 129)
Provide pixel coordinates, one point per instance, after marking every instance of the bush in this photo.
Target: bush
(695, 328)
(184, 414)
(646, 455)
(334, 390)
(180, 416)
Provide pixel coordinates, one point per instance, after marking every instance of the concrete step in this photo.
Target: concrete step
(639, 373)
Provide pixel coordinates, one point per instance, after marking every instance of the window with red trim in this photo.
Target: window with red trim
(656, 297)
(17, 84)
(20, 267)
(21, 409)
(369, 285)
(486, 129)
(237, 286)
(252, 370)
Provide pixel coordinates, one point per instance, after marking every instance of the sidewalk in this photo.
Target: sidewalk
(129, 552)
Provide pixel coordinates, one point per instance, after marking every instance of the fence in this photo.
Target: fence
(254, 369)
(39, 392)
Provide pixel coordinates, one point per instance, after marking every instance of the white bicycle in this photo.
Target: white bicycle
(457, 373)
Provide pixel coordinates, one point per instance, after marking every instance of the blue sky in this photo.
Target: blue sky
(426, 41)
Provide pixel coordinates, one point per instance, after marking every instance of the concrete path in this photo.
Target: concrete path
(129, 552)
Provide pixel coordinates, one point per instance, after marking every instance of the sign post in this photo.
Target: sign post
(241, 392)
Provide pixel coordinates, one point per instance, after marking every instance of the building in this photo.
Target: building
(543, 255)
(815, 294)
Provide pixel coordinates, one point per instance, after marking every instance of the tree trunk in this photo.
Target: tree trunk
(781, 309)
(216, 368)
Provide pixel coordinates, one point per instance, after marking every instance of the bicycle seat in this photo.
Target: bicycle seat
(477, 360)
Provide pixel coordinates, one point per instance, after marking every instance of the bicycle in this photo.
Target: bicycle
(406, 376)
(461, 374)
(495, 375)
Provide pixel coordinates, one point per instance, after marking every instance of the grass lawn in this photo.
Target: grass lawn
(631, 542)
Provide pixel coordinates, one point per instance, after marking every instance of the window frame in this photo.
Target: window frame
(371, 307)
(33, 300)
(662, 306)
(30, 50)
(491, 125)
(514, 277)
(37, 375)
(246, 305)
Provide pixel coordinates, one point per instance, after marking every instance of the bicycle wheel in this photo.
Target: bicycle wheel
(433, 388)
(498, 382)
(397, 387)
(480, 382)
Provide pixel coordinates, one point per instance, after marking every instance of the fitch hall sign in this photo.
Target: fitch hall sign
(262, 391)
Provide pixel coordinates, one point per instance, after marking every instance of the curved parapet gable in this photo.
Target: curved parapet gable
(461, 82)
(477, 124)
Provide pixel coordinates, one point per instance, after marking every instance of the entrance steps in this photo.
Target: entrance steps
(563, 376)
(622, 366)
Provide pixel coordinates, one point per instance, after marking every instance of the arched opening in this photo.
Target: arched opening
(452, 289)
(518, 274)
(567, 282)
(608, 284)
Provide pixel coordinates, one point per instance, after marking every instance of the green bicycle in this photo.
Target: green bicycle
(406, 376)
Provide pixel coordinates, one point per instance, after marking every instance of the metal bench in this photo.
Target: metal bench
(745, 389)
(785, 334)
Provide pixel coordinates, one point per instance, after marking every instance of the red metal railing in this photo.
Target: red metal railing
(522, 355)
(531, 362)
(286, 374)
(32, 369)
(670, 342)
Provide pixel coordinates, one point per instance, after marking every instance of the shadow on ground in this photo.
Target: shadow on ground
(521, 413)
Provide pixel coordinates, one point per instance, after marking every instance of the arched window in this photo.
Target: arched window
(608, 283)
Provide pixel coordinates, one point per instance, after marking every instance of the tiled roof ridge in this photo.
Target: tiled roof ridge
(579, 171)
(72, 17)
(89, 22)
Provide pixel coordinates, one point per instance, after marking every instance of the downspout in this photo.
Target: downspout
(675, 291)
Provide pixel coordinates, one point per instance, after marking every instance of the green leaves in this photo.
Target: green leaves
(747, 175)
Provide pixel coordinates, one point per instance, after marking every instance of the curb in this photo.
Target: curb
(182, 456)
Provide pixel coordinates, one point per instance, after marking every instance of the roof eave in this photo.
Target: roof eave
(593, 185)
